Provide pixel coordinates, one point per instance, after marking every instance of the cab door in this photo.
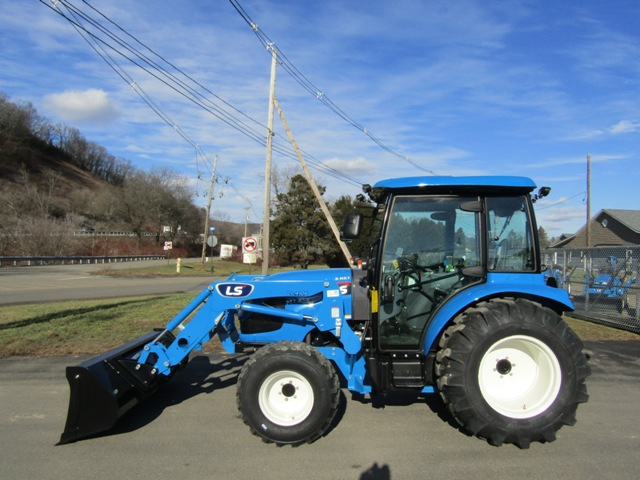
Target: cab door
(428, 244)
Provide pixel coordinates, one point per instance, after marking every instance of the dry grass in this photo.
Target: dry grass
(220, 268)
(83, 327)
(92, 327)
(589, 331)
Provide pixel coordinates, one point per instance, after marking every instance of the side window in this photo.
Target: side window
(466, 252)
(510, 236)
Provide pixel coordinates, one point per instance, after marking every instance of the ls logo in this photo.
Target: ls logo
(234, 289)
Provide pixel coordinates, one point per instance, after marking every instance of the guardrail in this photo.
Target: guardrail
(79, 260)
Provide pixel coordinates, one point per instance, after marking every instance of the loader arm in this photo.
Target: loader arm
(215, 310)
(105, 387)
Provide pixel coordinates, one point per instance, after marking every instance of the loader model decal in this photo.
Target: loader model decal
(345, 288)
(234, 289)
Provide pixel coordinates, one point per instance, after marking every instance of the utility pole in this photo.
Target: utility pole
(588, 229)
(314, 187)
(206, 220)
(246, 216)
(267, 168)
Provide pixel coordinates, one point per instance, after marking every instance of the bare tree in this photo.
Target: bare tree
(151, 201)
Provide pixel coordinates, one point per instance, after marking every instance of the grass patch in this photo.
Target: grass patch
(95, 326)
(589, 331)
(221, 268)
(83, 327)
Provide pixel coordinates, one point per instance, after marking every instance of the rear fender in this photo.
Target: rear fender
(498, 284)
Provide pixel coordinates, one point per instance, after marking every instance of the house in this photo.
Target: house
(607, 227)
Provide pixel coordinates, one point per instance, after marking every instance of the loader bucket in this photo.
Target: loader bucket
(105, 387)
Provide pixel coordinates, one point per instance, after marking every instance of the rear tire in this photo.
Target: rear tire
(512, 371)
(288, 393)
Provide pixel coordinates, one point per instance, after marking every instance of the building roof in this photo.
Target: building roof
(630, 219)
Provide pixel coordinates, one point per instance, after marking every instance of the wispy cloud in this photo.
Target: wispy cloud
(578, 160)
(622, 127)
(463, 87)
(625, 126)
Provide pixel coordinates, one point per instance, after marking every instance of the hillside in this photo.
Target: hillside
(38, 160)
(44, 190)
(56, 186)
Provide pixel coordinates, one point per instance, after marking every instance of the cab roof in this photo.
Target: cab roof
(453, 185)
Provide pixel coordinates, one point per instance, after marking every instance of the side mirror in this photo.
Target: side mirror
(543, 192)
(352, 226)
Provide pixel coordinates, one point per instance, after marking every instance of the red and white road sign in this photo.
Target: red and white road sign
(249, 245)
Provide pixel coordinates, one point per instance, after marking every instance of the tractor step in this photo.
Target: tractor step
(407, 370)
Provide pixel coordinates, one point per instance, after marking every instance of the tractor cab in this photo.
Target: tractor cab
(437, 239)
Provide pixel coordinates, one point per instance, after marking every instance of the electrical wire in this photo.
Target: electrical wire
(305, 83)
(158, 71)
(560, 202)
(110, 61)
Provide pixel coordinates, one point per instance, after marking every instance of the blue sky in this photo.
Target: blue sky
(454, 88)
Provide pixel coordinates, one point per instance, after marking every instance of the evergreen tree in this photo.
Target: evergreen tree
(544, 238)
(300, 233)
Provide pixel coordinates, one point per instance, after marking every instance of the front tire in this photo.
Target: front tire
(288, 393)
(512, 371)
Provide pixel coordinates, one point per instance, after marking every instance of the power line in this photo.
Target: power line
(560, 202)
(189, 89)
(309, 86)
(141, 93)
(153, 68)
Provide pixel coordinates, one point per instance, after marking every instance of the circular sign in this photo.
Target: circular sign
(250, 245)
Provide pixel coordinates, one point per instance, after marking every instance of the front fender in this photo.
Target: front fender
(497, 285)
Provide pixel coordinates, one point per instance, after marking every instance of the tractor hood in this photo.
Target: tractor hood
(323, 274)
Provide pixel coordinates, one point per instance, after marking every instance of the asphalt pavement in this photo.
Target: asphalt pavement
(191, 429)
(51, 283)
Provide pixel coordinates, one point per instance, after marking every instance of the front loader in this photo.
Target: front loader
(450, 299)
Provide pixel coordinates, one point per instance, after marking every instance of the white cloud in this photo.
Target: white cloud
(625, 126)
(89, 106)
(620, 128)
(353, 165)
(558, 220)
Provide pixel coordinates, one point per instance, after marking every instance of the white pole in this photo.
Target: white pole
(588, 228)
(267, 168)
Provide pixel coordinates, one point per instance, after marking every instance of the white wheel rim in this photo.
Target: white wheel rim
(520, 376)
(286, 398)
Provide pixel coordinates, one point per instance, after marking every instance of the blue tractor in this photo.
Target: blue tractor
(612, 286)
(449, 300)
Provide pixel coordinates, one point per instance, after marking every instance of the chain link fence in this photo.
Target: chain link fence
(602, 283)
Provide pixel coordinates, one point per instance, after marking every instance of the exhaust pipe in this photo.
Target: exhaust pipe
(105, 387)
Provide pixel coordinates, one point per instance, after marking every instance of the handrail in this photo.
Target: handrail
(73, 260)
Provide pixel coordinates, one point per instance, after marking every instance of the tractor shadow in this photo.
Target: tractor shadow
(403, 399)
(203, 374)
